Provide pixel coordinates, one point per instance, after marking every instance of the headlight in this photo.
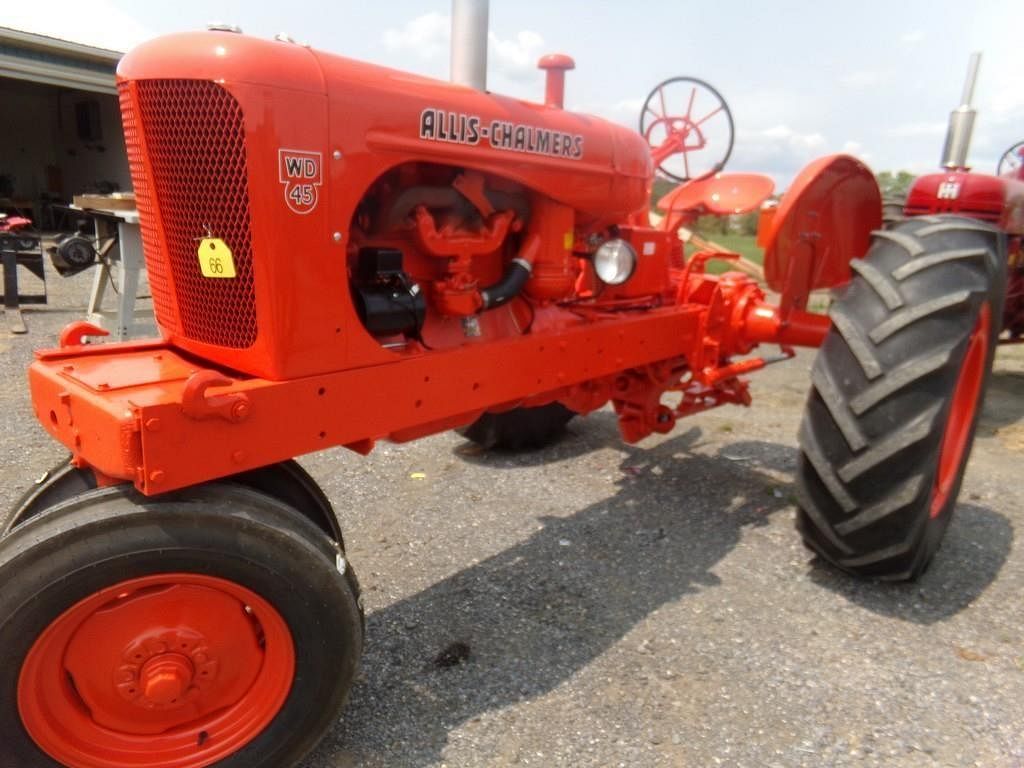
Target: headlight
(614, 261)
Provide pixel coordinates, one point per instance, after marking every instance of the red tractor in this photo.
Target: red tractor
(341, 253)
(997, 199)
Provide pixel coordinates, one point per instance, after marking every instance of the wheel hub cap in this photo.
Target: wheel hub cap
(184, 668)
(165, 679)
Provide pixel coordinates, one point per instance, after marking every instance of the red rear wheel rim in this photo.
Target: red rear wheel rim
(168, 671)
(964, 405)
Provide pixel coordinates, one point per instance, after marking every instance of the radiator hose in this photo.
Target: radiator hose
(516, 274)
(509, 286)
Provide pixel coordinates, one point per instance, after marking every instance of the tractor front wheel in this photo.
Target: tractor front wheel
(212, 627)
(896, 392)
(63, 482)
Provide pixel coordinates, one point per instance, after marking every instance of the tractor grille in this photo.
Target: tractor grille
(156, 264)
(194, 140)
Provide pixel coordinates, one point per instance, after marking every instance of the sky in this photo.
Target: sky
(802, 79)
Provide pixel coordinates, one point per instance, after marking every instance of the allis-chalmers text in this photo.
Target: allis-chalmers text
(457, 128)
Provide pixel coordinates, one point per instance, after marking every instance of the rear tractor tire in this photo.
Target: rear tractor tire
(215, 626)
(896, 391)
(519, 429)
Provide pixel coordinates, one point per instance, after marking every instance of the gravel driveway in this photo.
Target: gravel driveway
(598, 604)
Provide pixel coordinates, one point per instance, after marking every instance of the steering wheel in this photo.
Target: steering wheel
(688, 127)
(1011, 161)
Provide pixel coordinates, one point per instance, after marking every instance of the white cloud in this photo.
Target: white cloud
(515, 58)
(919, 129)
(624, 111)
(785, 134)
(427, 36)
(779, 151)
(856, 149)
(913, 36)
(1007, 103)
(920, 167)
(98, 23)
(632, 106)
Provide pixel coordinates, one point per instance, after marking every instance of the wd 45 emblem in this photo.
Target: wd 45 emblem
(949, 190)
(300, 172)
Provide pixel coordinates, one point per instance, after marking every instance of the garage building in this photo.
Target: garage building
(60, 126)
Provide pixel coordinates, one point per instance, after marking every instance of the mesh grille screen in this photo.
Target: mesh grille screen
(156, 264)
(195, 143)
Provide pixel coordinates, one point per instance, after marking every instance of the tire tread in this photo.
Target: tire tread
(880, 393)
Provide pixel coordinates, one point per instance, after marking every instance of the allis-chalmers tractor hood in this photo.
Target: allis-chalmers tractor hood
(271, 148)
(390, 109)
(224, 57)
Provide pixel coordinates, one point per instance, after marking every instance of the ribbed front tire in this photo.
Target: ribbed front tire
(896, 391)
(215, 626)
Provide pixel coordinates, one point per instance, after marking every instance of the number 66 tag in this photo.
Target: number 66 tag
(215, 258)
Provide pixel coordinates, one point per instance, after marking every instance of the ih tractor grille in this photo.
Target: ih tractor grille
(194, 140)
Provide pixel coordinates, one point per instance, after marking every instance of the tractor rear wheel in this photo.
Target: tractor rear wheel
(520, 428)
(211, 627)
(896, 391)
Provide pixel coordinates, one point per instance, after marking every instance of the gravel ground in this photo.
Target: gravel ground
(647, 605)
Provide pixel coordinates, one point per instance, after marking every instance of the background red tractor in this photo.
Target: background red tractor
(997, 199)
(340, 253)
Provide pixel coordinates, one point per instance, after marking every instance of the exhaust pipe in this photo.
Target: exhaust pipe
(961, 122)
(469, 43)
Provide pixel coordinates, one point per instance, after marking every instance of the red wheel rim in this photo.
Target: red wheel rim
(961, 412)
(168, 671)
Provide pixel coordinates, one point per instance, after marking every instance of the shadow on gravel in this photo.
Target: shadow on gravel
(518, 624)
(1004, 404)
(977, 544)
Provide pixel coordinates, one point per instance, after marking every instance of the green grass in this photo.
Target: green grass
(744, 245)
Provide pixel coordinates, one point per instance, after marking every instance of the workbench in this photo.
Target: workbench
(121, 267)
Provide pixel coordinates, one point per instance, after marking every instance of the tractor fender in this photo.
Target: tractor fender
(824, 221)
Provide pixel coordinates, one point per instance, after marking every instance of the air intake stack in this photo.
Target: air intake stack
(961, 123)
(469, 43)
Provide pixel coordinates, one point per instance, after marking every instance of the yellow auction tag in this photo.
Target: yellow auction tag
(215, 258)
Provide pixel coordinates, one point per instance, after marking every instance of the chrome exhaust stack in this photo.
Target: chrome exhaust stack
(961, 122)
(469, 43)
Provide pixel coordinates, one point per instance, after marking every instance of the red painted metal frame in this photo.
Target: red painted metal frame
(121, 407)
(152, 415)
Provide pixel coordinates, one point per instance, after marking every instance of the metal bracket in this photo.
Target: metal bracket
(196, 404)
(74, 334)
